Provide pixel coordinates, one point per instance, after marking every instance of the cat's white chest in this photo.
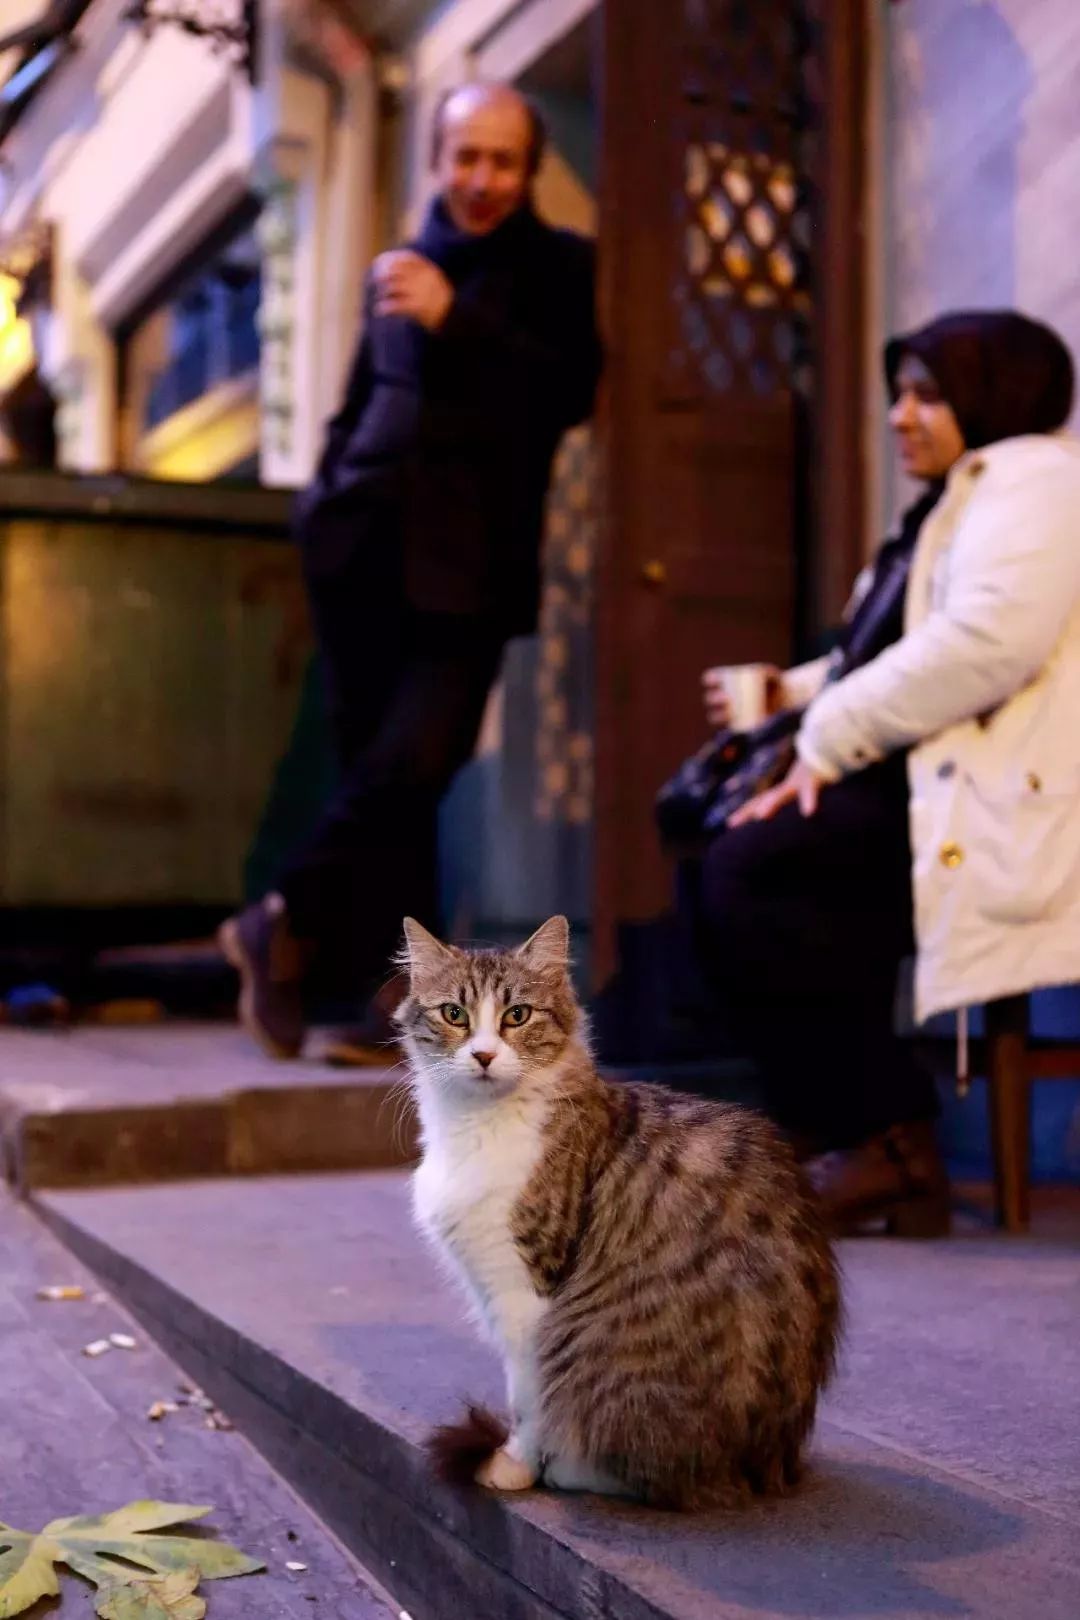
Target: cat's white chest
(464, 1193)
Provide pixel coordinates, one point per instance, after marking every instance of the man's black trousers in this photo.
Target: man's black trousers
(406, 693)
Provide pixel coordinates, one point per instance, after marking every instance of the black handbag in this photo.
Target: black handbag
(720, 778)
(695, 804)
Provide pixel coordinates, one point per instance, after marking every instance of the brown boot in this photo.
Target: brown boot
(376, 1044)
(898, 1177)
(270, 962)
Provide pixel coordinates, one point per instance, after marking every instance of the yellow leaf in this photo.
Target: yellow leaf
(153, 1597)
(26, 1570)
(103, 1547)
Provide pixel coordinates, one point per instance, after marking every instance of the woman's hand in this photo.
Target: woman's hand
(801, 785)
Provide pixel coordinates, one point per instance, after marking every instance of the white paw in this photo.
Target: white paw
(502, 1472)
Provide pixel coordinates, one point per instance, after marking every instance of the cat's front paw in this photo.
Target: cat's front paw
(505, 1472)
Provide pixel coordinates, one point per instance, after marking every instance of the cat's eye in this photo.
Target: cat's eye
(516, 1016)
(455, 1014)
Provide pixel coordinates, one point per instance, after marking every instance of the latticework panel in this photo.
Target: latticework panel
(564, 749)
(746, 122)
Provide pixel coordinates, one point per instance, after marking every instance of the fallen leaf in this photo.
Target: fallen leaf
(87, 1543)
(168, 1597)
(26, 1570)
(57, 1291)
(103, 1547)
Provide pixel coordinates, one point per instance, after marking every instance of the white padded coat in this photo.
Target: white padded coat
(984, 688)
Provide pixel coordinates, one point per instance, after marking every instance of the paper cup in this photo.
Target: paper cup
(746, 687)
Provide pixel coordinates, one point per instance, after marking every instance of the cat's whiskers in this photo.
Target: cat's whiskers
(570, 1101)
(399, 1097)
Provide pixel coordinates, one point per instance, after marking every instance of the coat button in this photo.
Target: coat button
(946, 769)
(951, 855)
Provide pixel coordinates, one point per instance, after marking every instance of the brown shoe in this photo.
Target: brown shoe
(270, 962)
(350, 1050)
(376, 1044)
(897, 1177)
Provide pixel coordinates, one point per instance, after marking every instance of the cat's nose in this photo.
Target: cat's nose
(485, 1059)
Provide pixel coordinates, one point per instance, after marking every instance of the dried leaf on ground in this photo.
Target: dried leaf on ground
(153, 1597)
(26, 1570)
(103, 1547)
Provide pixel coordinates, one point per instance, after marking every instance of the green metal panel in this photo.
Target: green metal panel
(150, 677)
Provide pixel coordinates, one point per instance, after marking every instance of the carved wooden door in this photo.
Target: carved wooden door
(711, 138)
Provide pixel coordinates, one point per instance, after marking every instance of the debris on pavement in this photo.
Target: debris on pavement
(127, 1011)
(36, 1006)
(97, 1347)
(161, 1409)
(57, 1291)
(122, 1341)
(218, 1420)
(296, 1568)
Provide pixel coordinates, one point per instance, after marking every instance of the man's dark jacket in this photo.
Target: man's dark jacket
(439, 459)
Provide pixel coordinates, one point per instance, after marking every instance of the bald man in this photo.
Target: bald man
(420, 536)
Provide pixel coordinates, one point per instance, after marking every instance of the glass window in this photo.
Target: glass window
(189, 369)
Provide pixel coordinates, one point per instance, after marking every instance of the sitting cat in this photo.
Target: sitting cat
(650, 1266)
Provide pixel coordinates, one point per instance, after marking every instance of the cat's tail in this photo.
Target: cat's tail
(456, 1451)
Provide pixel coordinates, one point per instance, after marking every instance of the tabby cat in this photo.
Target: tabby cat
(650, 1266)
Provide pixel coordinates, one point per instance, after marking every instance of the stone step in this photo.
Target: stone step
(76, 1439)
(104, 1106)
(946, 1476)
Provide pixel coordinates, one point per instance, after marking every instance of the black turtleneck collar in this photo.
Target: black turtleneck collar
(456, 251)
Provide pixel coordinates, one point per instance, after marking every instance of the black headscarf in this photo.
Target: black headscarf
(1002, 373)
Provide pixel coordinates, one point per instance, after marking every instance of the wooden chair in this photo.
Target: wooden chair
(1011, 1058)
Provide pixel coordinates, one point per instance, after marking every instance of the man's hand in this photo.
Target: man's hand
(801, 785)
(408, 284)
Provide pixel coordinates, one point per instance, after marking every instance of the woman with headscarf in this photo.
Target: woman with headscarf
(935, 800)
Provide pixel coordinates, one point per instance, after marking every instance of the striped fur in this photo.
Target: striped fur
(651, 1266)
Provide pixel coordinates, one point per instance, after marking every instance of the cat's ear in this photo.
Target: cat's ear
(422, 952)
(549, 947)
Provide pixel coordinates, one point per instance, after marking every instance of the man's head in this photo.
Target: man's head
(487, 142)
